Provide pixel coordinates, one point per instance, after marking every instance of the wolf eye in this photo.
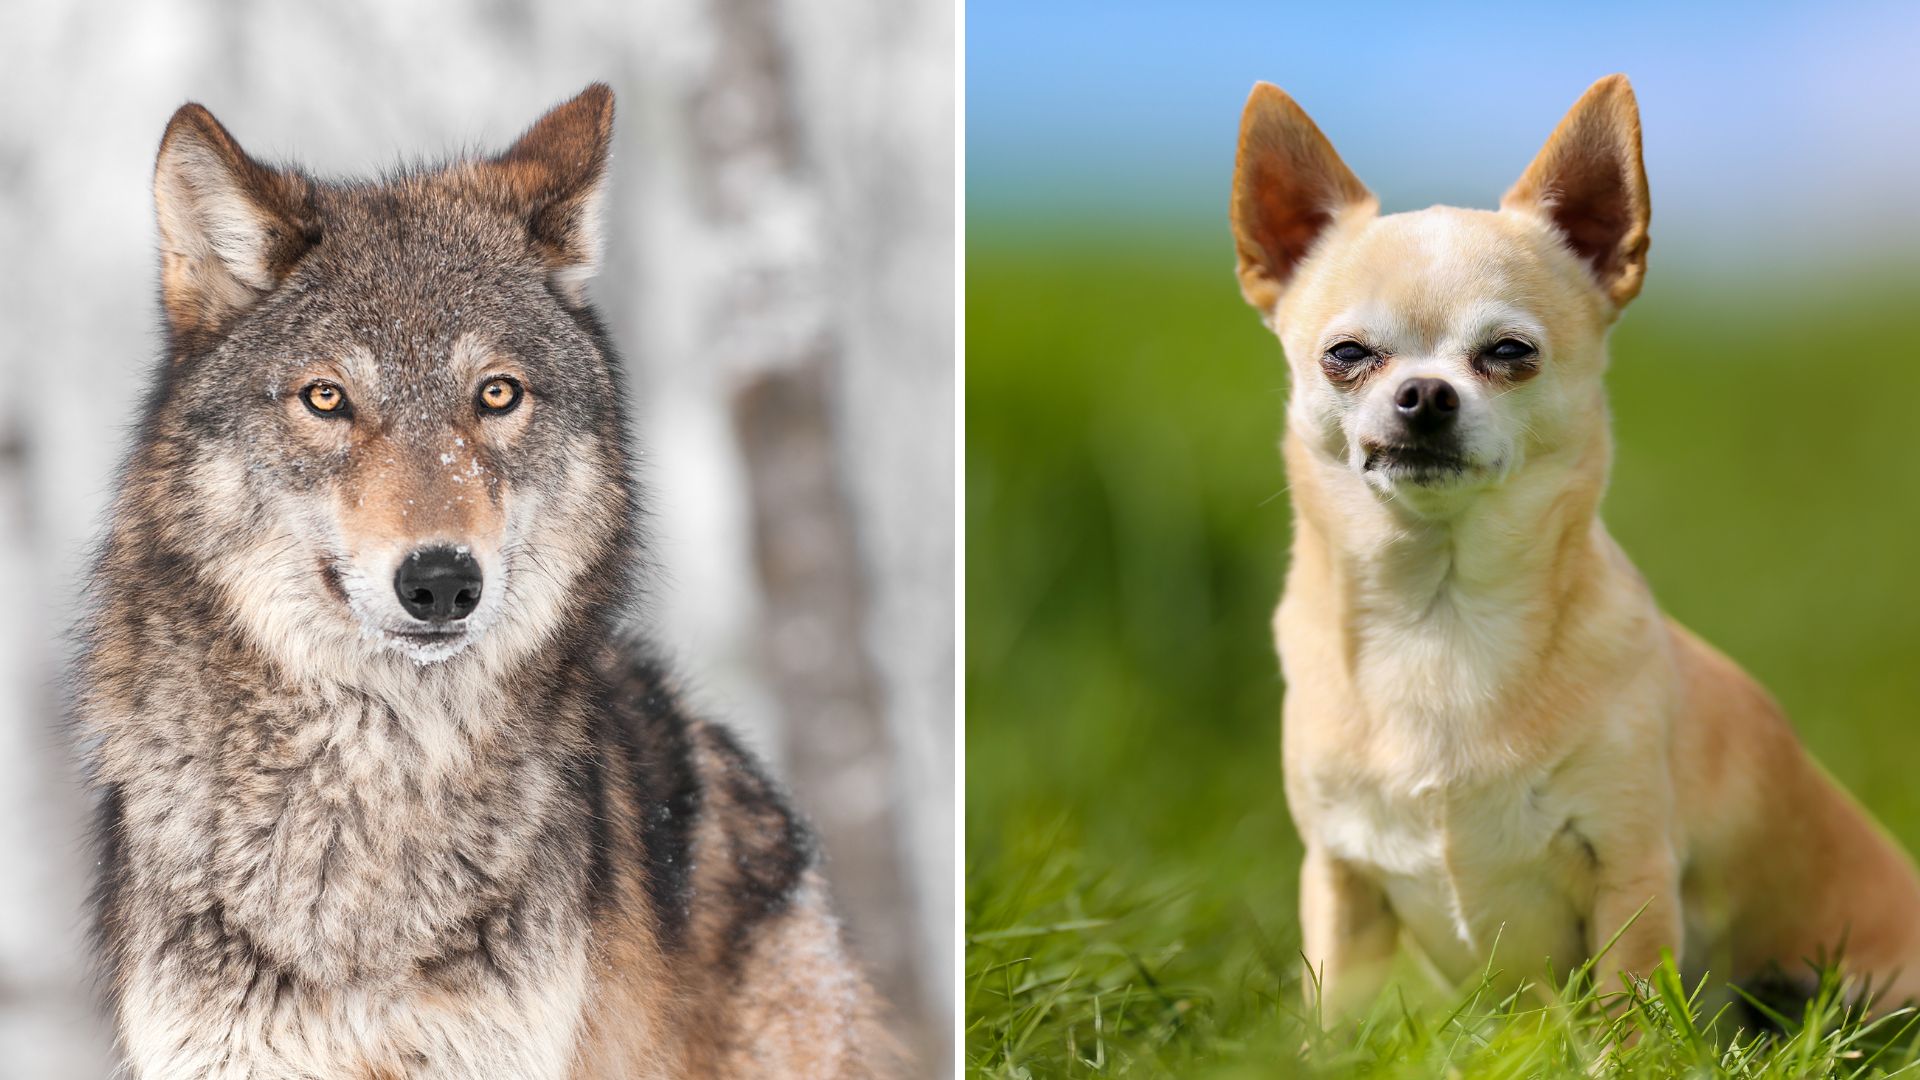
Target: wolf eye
(325, 399)
(499, 394)
(1510, 350)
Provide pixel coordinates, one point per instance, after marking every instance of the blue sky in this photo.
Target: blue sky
(1768, 126)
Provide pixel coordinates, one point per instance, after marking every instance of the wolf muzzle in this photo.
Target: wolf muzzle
(438, 585)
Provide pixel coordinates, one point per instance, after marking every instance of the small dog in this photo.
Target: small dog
(1491, 731)
(383, 791)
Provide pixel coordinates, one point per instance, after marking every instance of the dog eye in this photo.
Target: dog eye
(1510, 350)
(326, 399)
(499, 395)
(1347, 361)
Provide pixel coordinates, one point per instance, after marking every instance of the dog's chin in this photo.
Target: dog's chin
(1392, 467)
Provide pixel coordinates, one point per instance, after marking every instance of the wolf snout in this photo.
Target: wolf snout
(1426, 406)
(438, 584)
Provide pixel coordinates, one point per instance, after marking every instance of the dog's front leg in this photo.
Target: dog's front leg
(1638, 899)
(1347, 935)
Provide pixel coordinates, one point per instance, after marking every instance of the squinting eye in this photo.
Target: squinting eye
(1348, 362)
(1508, 350)
(499, 394)
(325, 399)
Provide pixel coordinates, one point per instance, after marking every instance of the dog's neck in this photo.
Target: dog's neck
(1510, 538)
(1439, 616)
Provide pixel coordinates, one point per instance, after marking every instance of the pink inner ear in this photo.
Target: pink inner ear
(1288, 189)
(1288, 216)
(1589, 182)
(1590, 207)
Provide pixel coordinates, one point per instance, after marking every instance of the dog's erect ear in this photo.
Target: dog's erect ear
(1589, 180)
(1288, 186)
(556, 175)
(230, 227)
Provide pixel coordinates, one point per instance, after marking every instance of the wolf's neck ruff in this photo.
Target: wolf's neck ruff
(294, 809)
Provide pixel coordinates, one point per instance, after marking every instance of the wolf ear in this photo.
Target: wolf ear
(1590, 182)
(556, 176)
(230, 227)
(1288, 186)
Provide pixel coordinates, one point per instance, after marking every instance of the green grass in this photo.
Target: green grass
(1131, 867)
(1081, 981)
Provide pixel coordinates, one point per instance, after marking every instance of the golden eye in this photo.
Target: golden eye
(499, 394)
(325, 398)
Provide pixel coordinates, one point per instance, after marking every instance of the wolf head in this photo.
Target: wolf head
(388, 425)
(1439, 354)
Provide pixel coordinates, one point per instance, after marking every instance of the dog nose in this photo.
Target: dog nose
(438, 584)
(1426, 405)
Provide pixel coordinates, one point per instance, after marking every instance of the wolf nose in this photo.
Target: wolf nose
(438, 584)
(1426, 405)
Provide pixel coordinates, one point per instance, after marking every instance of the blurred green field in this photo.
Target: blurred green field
(1130, 864)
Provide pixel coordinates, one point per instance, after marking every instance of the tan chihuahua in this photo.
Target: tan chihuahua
(1491, 731)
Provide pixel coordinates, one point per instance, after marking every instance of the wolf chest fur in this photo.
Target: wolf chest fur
(385, 790)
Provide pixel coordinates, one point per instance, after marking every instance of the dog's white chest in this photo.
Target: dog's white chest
(1473, 872)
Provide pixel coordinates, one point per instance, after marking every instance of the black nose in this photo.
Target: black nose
(438, 584)
(1426, 405)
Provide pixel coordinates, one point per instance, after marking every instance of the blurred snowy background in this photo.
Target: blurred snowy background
(779, 276)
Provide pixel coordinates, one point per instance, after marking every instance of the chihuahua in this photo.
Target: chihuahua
(1491, 732)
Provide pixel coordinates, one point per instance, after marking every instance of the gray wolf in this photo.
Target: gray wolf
(384, 789)
(1490, 729)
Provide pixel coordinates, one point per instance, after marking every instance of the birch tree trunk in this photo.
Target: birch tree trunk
(775, 328)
